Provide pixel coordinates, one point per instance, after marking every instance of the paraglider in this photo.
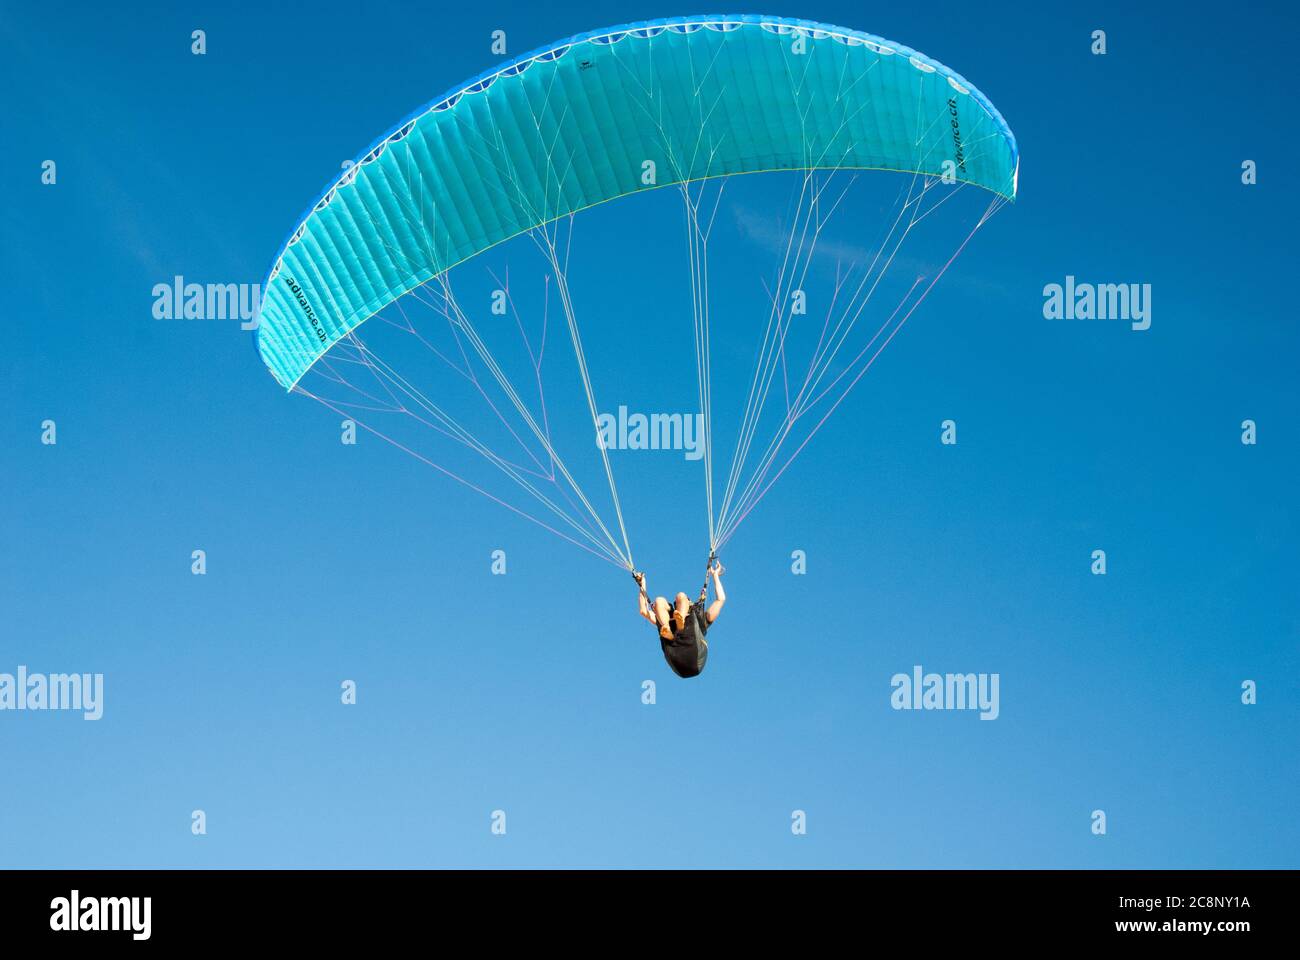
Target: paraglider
(682, 625)
(362, 311)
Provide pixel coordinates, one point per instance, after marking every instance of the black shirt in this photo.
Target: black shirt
(687, 652)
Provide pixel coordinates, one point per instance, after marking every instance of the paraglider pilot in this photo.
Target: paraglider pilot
(682, 624)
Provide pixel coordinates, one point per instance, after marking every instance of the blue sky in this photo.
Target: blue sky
(522, 692)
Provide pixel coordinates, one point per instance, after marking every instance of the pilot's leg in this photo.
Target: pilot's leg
(662, 618)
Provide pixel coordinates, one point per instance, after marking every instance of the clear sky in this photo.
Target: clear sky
(523, 692)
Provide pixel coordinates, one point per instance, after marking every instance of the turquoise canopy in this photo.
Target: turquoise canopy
(603, 115)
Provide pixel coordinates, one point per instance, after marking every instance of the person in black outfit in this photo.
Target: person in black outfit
(682, 624)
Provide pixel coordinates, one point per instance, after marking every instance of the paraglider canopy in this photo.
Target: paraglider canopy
(686, 102)
(602, 115)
